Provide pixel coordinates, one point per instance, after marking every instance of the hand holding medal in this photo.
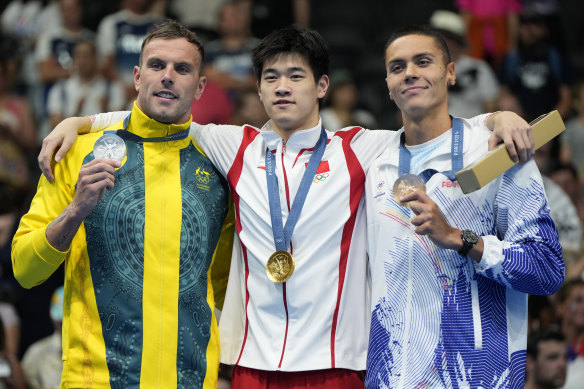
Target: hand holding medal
(405, 185)
(110, 146)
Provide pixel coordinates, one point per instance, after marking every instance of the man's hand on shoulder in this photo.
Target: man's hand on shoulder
(59, 141)
(512, 130)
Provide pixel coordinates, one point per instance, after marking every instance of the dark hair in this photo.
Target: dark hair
(557, 166)
(536, 337)
(421, 30)
(293, 40)
(171, 29)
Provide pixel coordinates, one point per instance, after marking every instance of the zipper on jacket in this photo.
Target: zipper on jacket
(284, 284)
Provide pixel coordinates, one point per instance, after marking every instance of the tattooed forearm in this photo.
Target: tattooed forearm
(60, 232)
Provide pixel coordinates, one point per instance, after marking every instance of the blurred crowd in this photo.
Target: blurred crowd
(65, 58)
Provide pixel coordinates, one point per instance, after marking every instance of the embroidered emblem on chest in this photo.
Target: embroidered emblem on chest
(322, 172)
(203, 178)
(380, 192)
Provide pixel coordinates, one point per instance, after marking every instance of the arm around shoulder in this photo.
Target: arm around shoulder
(512, 130)
(60, 140)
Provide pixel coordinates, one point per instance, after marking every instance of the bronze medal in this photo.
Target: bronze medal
(405, 185)
(280, 266)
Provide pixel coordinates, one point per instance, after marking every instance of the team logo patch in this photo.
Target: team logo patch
(322, 172)
(203, 177)
(380, 189)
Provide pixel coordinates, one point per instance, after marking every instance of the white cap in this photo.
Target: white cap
(449, 21)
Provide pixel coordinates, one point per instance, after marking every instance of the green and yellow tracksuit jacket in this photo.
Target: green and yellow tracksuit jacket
(138, 305)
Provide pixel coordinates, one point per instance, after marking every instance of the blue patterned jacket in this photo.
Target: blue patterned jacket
(441, 320)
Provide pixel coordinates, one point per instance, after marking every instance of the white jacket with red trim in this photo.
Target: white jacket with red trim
(319, 318)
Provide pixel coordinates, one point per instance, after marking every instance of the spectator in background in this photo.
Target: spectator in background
(341, 105)
(572, 140)
(570, 306)
(534, 77)
(492, 27)
(476, 89)
(228, 59)
(249, 109)
(17, 129)
(20, 21)
(54, 51)
(119, 40)
(10, 371)
(50, 18)
(268, 15)
(200, 16)
(43, 361)
(563, 212)
(566, 176)
(547, 359)
(8, 314)
(551, 11)
(86, 91)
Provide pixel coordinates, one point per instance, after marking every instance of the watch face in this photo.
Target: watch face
(470, 237)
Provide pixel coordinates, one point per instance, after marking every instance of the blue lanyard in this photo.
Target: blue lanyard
(127, 135)
(282, 235)
(455, 155)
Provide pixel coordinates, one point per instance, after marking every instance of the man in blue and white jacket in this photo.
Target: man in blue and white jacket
(450, 272)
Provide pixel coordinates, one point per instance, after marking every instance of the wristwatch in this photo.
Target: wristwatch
(469, 239)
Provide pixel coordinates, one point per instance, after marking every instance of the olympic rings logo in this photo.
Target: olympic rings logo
(203, 179)
(320, 177)
(202, 176)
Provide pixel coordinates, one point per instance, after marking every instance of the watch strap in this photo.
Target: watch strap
(467, 244)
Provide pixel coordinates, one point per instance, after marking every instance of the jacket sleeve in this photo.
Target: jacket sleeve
(33, 258)
(526, 254)
(101, 121)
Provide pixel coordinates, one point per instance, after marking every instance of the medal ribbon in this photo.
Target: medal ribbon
(283, 234)
(455, 152)
(127, 135)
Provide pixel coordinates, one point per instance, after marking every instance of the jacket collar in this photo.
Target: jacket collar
(300, 140)
(146, 127)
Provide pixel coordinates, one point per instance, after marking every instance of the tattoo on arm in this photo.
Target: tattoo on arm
(60, 233)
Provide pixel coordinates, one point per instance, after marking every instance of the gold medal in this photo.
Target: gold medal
(405, 185)
(280, 266)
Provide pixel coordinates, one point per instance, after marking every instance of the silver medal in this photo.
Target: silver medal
(110, 146)
(406, 184)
